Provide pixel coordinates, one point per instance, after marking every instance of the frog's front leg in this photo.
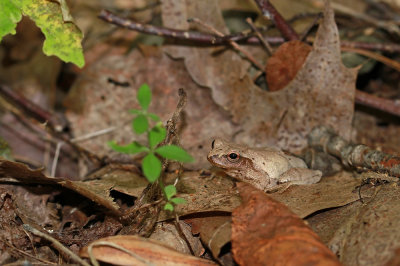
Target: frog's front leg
(300, 176)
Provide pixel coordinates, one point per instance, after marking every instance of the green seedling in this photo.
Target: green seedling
(151, 164)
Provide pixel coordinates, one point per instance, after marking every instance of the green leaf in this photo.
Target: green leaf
(140, 124)
(151, 166)
(178, 200)
(63, 39)
(131, 148)
(154, 117)
(170, 191)
(10, 15)
(168, 207)
(144, 96)
(156, 135)
(174, 152)
(135, 112)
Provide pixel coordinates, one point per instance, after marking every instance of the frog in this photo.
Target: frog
(268, 169)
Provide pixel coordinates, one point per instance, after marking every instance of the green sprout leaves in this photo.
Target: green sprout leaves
(63, 38)
(151, 163)
(131, 148)
(174, 152)
(140, 124)
(144, 96)
(151, 166)
(156, 135)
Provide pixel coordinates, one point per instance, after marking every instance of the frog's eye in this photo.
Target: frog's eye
(212, 144)
(233, 156)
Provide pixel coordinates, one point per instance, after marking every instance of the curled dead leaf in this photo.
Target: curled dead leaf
(264, 230)
(135, 250)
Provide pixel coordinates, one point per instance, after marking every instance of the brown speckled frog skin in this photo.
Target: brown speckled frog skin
(264, 168)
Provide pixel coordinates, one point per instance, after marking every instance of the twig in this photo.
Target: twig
(29, 255)
(56, 244)
(383, 59)
(209, 39)
(260, 37)
(384, 47)
(93, 134)
(55, 159)
(355, 155)
(386, 105)
(314, 22)
(160, 31)
(232, 43)
(387, 25)
(269, 11)
(32, 109)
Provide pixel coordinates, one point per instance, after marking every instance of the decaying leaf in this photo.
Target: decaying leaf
(265, 231)
(284, 64)
(322, 92)
(142, 252)
(96, 192)
(168, 234)
(370, 235)
(214, 230)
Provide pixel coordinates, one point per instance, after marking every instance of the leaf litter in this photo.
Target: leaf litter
(222, 101)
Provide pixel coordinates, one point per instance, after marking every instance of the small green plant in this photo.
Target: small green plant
(151, 164)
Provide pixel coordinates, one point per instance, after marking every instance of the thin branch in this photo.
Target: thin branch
(31, 109)
(386, 105)
(260, 37)
(269, 11)
(386, 25)
(160, 31)
(354, 155)
(383, 59)
(232, 43)
(57, 245)
(384, 47)
(209, 39)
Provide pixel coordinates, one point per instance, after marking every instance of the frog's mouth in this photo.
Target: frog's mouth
(217, 161)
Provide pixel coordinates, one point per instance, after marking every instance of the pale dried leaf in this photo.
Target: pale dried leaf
(147, 249)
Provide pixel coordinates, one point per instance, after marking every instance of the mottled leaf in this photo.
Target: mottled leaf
(62, 39)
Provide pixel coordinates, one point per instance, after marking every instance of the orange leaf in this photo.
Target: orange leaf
(283, 65)
(265, 231)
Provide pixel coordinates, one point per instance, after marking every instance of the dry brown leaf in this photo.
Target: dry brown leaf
(168, 234)
(148, 250)
(370, 236)
(214, 230)
(204, 194)
(97, 192)
(330, 192)
(321, 93)
(284, 64)
(264, 230)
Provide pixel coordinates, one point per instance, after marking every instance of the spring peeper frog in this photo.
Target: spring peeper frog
(264, 168)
